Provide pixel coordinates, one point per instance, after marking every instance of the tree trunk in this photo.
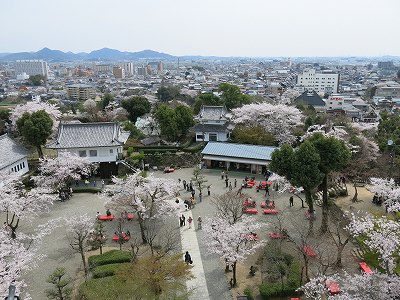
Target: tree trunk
(39, 150)
(234, 273)
(60, 292)
(310, 210)
(101, 249)
(355, 197)
(338, 263)
(142, 229)
(84, 262)
(325, 205)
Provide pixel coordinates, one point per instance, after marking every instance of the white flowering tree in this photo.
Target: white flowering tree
(18, 255)
(278, 120)
(147, 196)
(390, 192)
(232, 242)
(79, 231)
(59, 173)
(284, 186)
(381, 236)
(288, 96)
(354, 287)
(30, 107)
(18, 203)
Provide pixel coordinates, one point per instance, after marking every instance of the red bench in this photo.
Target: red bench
(333, 287)
(294, 298)
(271, 211)
(250, 211)
(365, 268)
(270, 205)
(263, 185)
(252, 237)
(248, 203)
(125, 237)
(309, 251)
(105, 218)
(274, 235)
(130, 216)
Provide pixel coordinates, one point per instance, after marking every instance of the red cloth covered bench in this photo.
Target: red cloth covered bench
(274, 235)
(248, 203)
(270, 205)
(250, 211)
(333, 287)
(364, 267)
(130, 216)
(271, 211)
(252, 237)
(309, 251)
(125, 237)
(105, 218)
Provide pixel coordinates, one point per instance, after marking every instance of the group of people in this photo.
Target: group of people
(377, 199)
(182, 221)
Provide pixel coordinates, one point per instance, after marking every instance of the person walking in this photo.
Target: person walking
(222, 175)
(183, 220)
(267, 190)
(230, 186)
(291, 201)
(184, 184)
(226, 182)
(200, 197)
(199, 221)
(102, 183)
(188, 258)
(190, 220)
(208, 190)
(235, 183)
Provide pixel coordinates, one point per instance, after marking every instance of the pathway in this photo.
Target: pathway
(197, 285)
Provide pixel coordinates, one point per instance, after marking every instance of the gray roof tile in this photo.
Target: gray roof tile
(84, 135)
(10, 151)
(238, 150)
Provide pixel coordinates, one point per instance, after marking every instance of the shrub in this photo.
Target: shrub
(92, 190)
(129, 151)
(110, 257)
(105, 270)
(342, 193)
(249, 293)
(332, 194)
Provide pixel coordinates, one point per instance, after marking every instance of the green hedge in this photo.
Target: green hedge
(275, 289)
(110, 257)
(106, 270)
(111, 287)
(92, 190)
(249, 293)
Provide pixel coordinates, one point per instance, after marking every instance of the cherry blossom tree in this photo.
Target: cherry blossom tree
(288, 96)
(278, 120)
(30, 107)
(18, 203)
(232, 242)
(149, 197)
(230, 205)
(79, 230)
(283, 186)
(18, 255)
(388, 189)
(59, 173)
(382, 236)
(354, 287)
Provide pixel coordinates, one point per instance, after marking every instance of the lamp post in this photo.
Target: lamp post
(392, 153)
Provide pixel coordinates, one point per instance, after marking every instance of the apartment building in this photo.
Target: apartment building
(118, 72)
(127, 67)
(31, 67)
(310, 80)
(80, 92)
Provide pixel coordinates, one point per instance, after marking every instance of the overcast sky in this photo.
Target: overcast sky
(204, 27)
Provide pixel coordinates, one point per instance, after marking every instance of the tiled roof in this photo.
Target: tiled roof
(85, 135)
(238, 150)
(310, 98)
(210, 128)
(10, 151)
(212, 113)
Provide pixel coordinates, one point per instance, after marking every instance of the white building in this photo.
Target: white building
(13, 157)
(31, 67)
(326, 82)
(99, 142)
(213, 124)
(128, 68)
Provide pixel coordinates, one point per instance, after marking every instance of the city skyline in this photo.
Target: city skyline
(207, 28)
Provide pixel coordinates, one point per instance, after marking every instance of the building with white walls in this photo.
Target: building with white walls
(31, 67)
(325, 82)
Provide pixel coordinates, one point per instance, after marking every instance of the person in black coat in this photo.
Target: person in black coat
(188, 258)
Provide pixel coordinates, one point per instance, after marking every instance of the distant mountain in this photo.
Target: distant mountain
(101, 54)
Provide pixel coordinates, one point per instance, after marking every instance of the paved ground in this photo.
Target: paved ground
(211, 281)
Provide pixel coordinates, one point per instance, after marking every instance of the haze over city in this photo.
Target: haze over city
(252, 28)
